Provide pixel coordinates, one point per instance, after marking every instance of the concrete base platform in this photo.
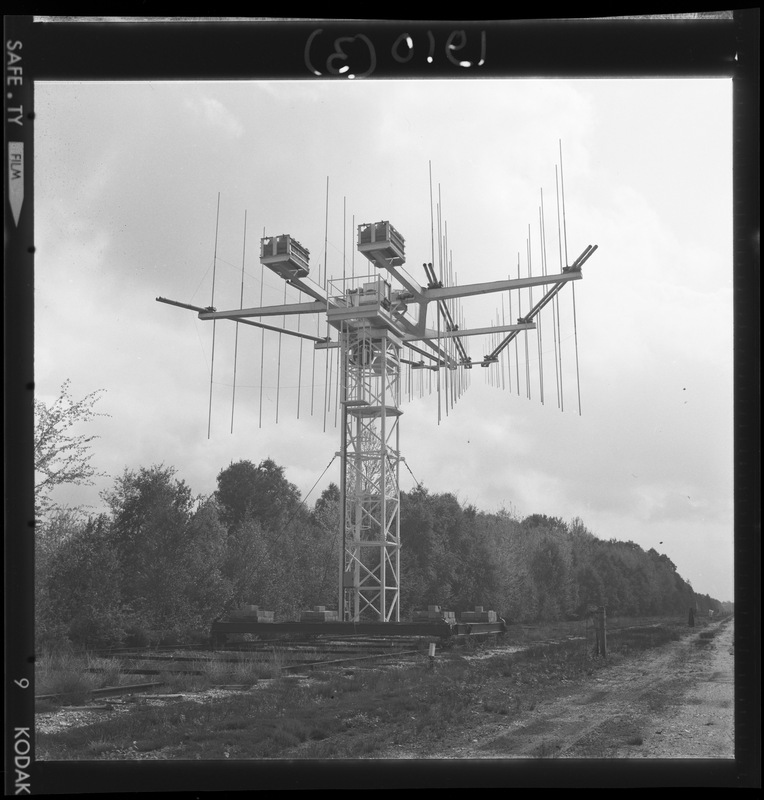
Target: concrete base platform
(439, 629)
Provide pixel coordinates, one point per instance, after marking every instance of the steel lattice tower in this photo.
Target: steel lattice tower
(370, 494)
(374, 324)
(370, 341)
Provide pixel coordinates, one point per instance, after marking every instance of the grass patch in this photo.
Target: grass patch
(72, 677)
(100, 747)
(65, 675)
(640, 638)
(339, 716)
(245, 671)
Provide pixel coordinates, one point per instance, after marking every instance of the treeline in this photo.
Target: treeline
(160, 564)
(535, 569)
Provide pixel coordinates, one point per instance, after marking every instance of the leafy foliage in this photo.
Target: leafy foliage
(85, 586)
(162, 564)
(171, 548)
(62, 456)
(261, 493)
(538, 568)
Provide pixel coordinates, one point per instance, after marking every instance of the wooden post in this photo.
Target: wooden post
(601, 632)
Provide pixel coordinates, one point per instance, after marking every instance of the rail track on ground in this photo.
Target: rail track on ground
(163, 666)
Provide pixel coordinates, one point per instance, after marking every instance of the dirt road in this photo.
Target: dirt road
(676, 702)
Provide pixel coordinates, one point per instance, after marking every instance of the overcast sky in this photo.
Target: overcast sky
(127, 178)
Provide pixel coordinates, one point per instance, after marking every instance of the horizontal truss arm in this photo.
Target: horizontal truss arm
(298, 334)
(451, 334)
(316, 307)
(573, 270)
(471, 289)
(314, 291)
(262, 325)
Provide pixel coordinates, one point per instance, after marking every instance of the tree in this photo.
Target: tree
(51, 547)
(84, 589)
(204, 554)
(327, 508)
(171, 554)
(60, 455)
(261, 493)
(545, 522)
(550, 575)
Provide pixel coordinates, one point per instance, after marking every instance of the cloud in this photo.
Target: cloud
(127, 211)
(216, 115)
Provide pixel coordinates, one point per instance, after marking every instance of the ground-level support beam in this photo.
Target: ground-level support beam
(439, 629)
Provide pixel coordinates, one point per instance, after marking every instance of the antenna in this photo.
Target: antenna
(241, 305)
(212, 303)
(379, 325)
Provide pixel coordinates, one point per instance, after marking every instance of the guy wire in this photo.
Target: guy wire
(301, 503)
(418, 483)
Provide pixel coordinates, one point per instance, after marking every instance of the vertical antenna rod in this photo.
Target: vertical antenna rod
(558, 365)
(432, 238)
(278, 359)
(212, 303)
(562, 193)
(326, 271)
(262, 343)
(575, 327)
(241, 305)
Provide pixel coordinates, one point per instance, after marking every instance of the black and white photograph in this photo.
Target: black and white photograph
(381, 418)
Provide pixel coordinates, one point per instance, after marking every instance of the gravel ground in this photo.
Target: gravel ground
(676, 702)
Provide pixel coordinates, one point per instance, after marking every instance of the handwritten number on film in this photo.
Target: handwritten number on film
(355, 56)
